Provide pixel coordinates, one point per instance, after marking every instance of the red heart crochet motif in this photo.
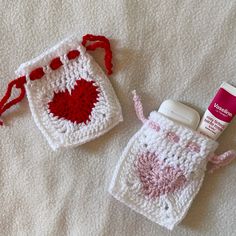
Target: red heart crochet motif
(77, 105)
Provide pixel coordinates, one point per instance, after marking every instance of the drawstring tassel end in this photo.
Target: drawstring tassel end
(138, 107)
(221, 160)
(4, 104)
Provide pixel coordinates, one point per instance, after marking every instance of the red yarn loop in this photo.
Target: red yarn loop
(73, 54)
(100, 42)
(55, 63)
(18, 83)
(37, 73)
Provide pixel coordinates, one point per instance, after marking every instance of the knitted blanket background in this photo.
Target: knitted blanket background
(164, 49)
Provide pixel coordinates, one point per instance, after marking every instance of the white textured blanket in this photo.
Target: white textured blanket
(163, 49)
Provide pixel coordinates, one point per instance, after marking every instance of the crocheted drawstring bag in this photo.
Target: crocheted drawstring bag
(70, 97)
(162, 168)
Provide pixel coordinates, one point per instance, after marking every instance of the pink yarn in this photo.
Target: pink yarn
(172, 136)
(193, 147)
(156, 177)
(221, 160)
(153, 125)
(138, 107)
(139, 111)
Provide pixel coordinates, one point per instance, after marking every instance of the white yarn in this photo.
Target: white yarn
(59, 132)
(126, 185)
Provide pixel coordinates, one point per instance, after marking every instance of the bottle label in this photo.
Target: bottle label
(220, 113)
(223, 106)
(211, 126)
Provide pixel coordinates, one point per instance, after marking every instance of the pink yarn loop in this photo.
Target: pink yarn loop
(138, 107)
(221, 160)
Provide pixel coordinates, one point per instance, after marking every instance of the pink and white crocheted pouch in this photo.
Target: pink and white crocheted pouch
(71, 99)
(161, 169)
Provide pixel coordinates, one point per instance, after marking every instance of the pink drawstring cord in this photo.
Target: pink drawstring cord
(138, 107)
(221, 160)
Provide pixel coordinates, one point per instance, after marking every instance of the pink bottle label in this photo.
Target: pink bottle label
(223, 106)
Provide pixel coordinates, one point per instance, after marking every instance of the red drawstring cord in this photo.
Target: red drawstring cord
(91, 37)
(4, 105)
(102, 42)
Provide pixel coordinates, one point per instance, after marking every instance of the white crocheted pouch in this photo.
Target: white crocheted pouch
(161, 169)
(71, 99)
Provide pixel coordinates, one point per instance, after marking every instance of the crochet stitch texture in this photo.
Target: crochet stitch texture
(161, 170)
(71, 99)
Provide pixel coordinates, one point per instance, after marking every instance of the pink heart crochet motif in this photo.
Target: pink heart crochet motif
(75, 106)
(158, 178)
